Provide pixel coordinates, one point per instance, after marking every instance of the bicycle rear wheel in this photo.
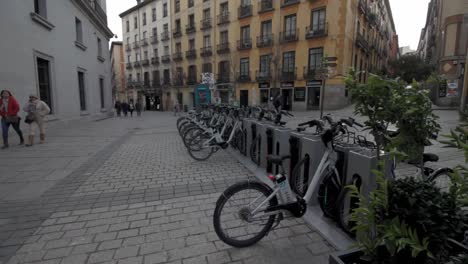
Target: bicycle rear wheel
(442, 179)
(189, 134)
(299, 177)
(328, 194)
(199, 148)
(346, 204)
(232, 217)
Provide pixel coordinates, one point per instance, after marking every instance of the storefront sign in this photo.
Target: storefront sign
(452, 88)
(287, 84)
(313, 83)
(299, 94)
(264, 85)
(443, 89)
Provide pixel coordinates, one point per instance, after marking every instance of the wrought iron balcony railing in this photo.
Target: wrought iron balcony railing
(244, 44)
(317, 31)
(263, 75)
(265, 6)
(205, 23)
(265, 40)
(191, 54)
(206, 51)
(223, 48)
(289, 35)
(288, 75)
(245, 11)
(223, 18)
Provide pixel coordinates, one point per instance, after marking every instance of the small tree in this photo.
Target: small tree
(411, 67)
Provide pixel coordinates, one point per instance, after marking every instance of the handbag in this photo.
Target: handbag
(12, 119)
(29, 119)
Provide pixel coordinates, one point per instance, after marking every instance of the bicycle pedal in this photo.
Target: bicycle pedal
(278, 220)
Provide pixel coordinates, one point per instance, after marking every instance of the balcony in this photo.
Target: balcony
(244, 77)
(177, 33)
(136, 45)
(285, 3)
(137, 64)
(223, 18)
(223, 48)
(265, 6)
(244, 44)
(165, 36)
(144, 42)
(317, 31)
(191, 54)
(154, 39)
(288, 75)
(178, 80)
(362, 6)
(289, 36)
(134, 83)
(128, 47)
(265, 40)
(145, 62)
(192, 79)
(166, 81)
(310, 73)
(245, 11)
(166, 58)
(262, 76)
(223, 78)
(362, 43)
(206, 51)
(129, 65)
(156, 83)
(177, 56)
(146, 84)
(190, 28)
(205, 23)
(155, 60)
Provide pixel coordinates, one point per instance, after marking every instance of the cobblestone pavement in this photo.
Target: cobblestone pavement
(126, 191)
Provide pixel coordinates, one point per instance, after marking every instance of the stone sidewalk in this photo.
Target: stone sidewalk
(126, 191)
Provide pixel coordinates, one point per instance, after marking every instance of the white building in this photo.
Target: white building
(57, 49)
(147, 41)
(406, 50)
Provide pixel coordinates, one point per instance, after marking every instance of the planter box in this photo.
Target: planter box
(345, 257)
(354, 257)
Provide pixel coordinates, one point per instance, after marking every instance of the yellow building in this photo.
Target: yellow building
(259, 49)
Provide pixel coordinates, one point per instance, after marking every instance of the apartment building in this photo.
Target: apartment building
(59, 51)
(443, 43)
(256, 50)
(147, 40)
(118, 80)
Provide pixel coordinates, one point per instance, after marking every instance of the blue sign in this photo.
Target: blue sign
(202, 94)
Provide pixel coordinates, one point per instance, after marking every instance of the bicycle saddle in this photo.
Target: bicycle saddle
(277, 159)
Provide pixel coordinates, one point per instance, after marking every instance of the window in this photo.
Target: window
(245, 34)
(166, 50)
(137, 56)
(144, 19)
(99, 47)
(138, 77)
(144, 34)
(145, 54)
(191, 19)
(206, 13)
(43, 78)
(79, 30)
(206, 67)
(265, 63)
(136, 38)
(318, 20)
(101, 90)
(128, 40)
(135, 22)
(224, 9)
(245, 2)
(266, 28)
(156, 78)
(40, 8)
(178, 28)
(244, 67)
(178, 47)
(153, 14)
(81, 87)
(129, 58)
(191, 44)
(166, 27)
(290, 25)
(128, 25)
(289, 61)
(206, 41)
(224, 37)
(190, 3)
(165, 10)
(315, 58)
(155, 32)
(155, 53)
(192, 72)
(146, 79)
(177, 6)
(167, 76)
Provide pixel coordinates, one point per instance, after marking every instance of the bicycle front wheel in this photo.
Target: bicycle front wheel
(300, 177)
(233, 220)
(442, 179)
(199, 148)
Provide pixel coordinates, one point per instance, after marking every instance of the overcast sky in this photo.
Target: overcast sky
(409, 17)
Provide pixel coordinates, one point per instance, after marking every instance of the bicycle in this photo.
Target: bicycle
(270, 204)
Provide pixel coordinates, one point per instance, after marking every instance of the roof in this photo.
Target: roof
(115, 43)
(387, 3)
(142, 4)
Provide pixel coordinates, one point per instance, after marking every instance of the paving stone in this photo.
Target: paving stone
(101, 256)
(128, 233)
(86, 248)
(111, 244)
(133, 260)
(318, 248)
(58, 253)
(149, 248)
(75, 259)
(126, 252)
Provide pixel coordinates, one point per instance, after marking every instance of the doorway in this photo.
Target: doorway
(244, 97)
(43, 74)
(153, 102)
(313, 98)
(286, 94)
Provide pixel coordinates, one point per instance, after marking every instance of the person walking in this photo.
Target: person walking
(118, 108)
(131, 108)
(9, 109)
(125, 108)
(36, 111)
(138, 107)
(176, 107)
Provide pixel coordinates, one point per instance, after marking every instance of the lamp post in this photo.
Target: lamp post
(329, 63)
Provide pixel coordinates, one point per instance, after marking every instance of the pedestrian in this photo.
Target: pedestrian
(9, 109)
(125, 108)
(176, 107)
(131, 108)
(36, 111)
(138, 107)
(118, 108)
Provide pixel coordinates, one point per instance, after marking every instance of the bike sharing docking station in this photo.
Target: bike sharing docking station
(250, 128)
(280, 146)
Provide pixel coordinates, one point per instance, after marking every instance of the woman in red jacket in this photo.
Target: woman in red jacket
(9, 109)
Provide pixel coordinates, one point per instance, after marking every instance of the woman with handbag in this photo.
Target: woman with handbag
(37, 110)
(9, 109)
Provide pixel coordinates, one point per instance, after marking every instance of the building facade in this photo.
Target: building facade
(59, 51)
(255, 50)
(119, 81)
(147, 40)
(443, 43)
